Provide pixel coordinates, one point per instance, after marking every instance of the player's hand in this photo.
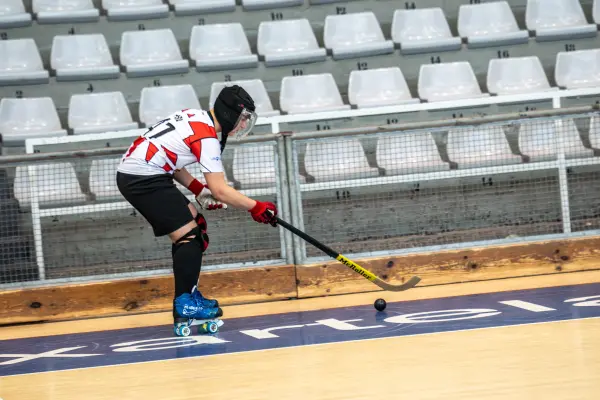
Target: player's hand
(264, 212)
(207, 202)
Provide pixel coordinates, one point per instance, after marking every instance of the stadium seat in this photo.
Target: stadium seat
(256, 89)
(254, 166)
(337, 160)
(596, 11)
(448, 81)
(54, 184)
(310, 93)
(422, 31)
(489, 24)
(131, 10)
(355, 35)
(378, 87)
(480, 146)
(409, 153)
(252, 5)
(103, 182)
(20, 63)
(192, 7)
(517, 75)
(22, 119)
(578, 69)
(541, 140)
(65, 11)
(99, 112)
(13, 15)
(595, 132)
(557, 20)
(288, 42)
(159, 102)
(221, 46)
(151, 52)
(82, 57)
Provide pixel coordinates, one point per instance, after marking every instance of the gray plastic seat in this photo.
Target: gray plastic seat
(595, 132)
(197, 7)
(557, 20)
(254, 166)
(54, 183)
(128, 10)
(422, 31)
(103, 179)
(337, 160)
(256, 89)
(541, 140)
(596, 11)
(310, 93)
(157, 103)
(221, 46)
(288, 42)
(252, 5)
(82, 57)
(13, 14)
(489, 24)
(378, 87)
(448, 81)
(480, 146)
(22, 119)
(65, 11)
(517, 75)
(409, 153)
(20, 63)
(578, 69)
(99, 112)
(151, 52)
(355, 35)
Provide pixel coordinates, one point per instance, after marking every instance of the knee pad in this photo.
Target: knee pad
(195, 236)
(201, 222)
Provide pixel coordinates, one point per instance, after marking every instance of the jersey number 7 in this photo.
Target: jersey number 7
(168, 129)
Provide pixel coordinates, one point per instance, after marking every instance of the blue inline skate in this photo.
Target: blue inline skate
(194, 310)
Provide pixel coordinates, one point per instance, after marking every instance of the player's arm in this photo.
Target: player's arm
(183, 177)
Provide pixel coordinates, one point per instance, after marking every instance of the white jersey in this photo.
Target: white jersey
(183, 138)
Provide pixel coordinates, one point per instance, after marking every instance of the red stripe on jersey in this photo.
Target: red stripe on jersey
(190, 115)
(152, 150)
(201, 131)
(134, 145)
(167, 167)
(170, 155)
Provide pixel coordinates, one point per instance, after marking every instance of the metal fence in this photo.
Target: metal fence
(410, 188)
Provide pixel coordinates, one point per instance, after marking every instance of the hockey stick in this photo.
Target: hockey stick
(349, 263)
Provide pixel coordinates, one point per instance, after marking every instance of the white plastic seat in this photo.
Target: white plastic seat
(157, 103)
(54, 183)
(337, 160)
(409, 153)
(221, 46)
(135, 9)
(99, 112)
(489, 24)
(22, 119)
(310, 93)
(254, 166)
(82, 57)
(448, 81)
(541, 140)
(288, 42)
(517, 75)
(355, 35)
(13, 15)
(255, 88)
(378, 87)
(20, 63)
(65, 11)
(595, 132)
(193, 7)
(266, 4)
(578, 69)
(151, 52)
(480, 146)
(422, 31)
(557, 19)
(596, 11)
(103, 179)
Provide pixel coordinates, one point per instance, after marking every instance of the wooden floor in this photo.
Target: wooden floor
(553, 360)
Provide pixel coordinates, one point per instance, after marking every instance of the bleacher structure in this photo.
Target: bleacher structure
(414, 126)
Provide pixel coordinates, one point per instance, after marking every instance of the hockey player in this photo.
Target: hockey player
(145, 178)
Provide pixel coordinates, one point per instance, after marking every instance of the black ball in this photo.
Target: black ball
(380, 304)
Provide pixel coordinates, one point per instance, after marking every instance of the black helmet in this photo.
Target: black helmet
(234, 109)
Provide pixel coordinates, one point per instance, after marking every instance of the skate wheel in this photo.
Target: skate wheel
(182, 331)
(212, 327)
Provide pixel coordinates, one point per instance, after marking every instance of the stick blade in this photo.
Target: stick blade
(412, 282)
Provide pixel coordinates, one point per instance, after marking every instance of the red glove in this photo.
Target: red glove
(264, 212)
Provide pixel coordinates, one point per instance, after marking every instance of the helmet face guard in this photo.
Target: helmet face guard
(235, 112)
(244, 124)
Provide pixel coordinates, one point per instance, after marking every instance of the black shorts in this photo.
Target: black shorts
(158, 200)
